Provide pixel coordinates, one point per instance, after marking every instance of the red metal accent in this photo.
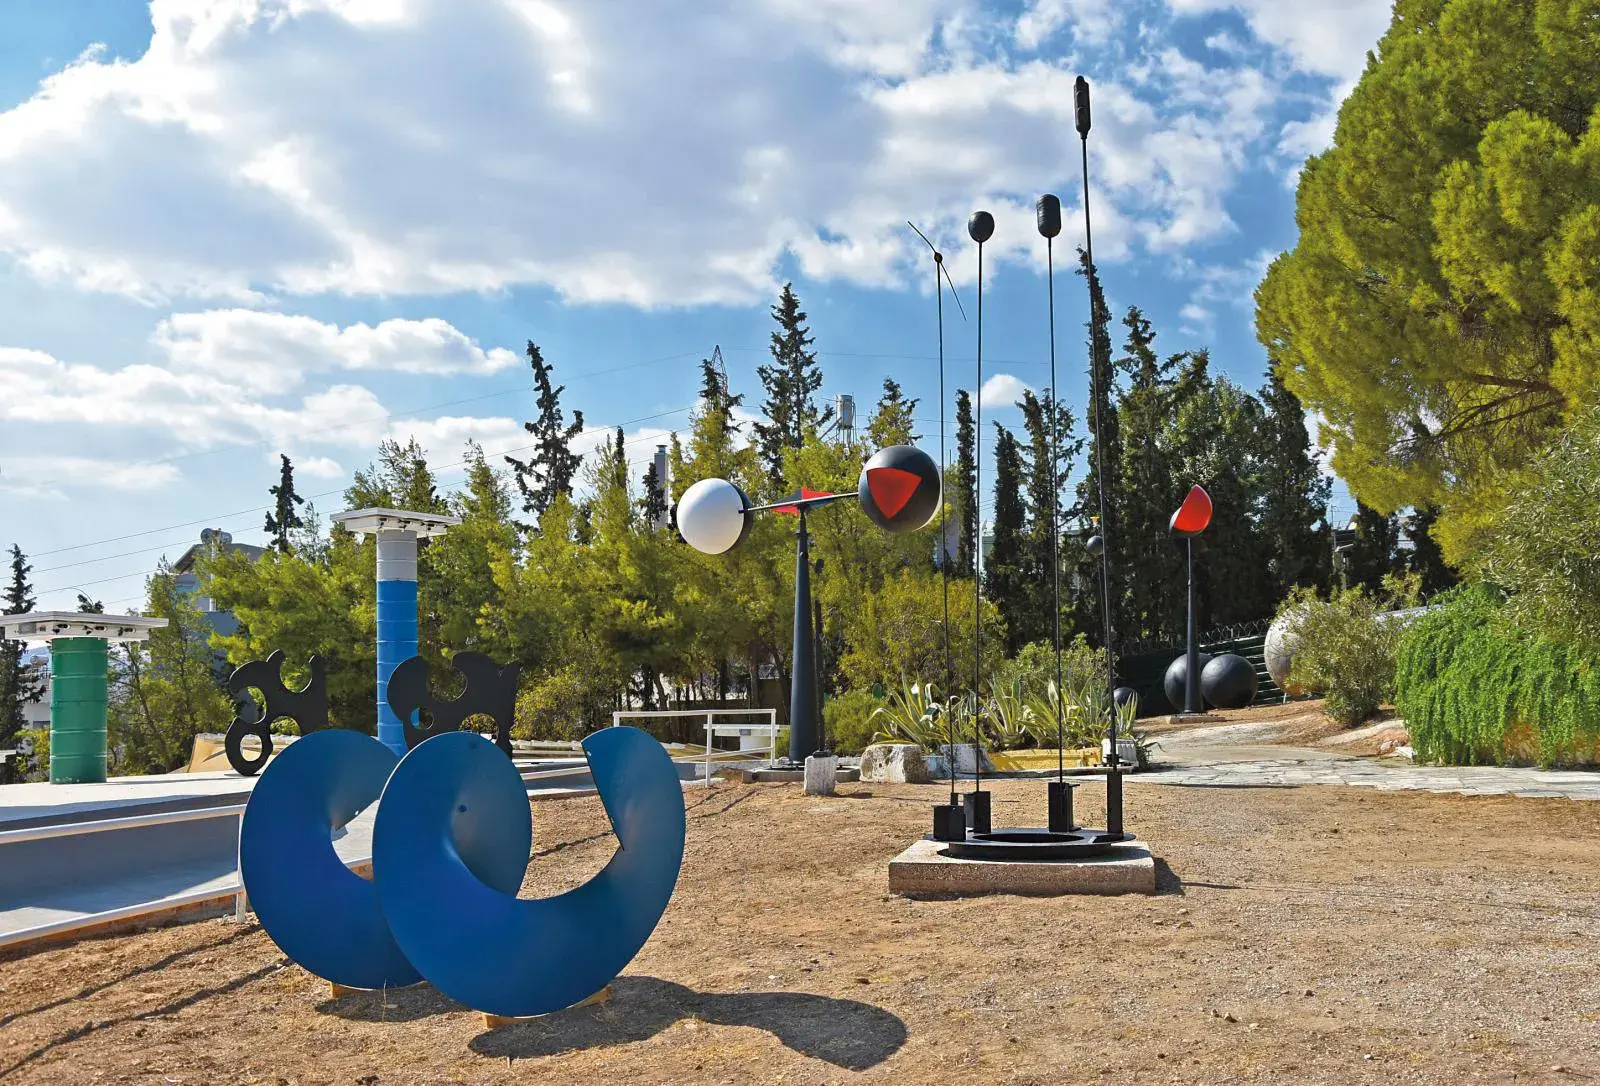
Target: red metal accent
(1194, 515)
(891, 488)
(805, 493)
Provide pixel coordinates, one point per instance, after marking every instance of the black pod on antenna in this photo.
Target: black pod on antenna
(1048, 213)
(980, 226)
(1080, 94)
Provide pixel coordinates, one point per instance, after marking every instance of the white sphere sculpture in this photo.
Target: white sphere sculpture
(712, 516)
(1283, 638)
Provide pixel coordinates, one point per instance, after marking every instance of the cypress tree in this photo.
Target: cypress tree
(966, 486)
(1294, 508)
(549, 471)
(791, 382)
(1104, 445)
(18, 684)
(284, 518)
(1426, 559)
(1044, 500)
(1005, 576)
(1376, 551)
(653, 503)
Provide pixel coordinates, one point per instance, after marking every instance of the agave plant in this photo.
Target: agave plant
(914, 715)
(1076, 712)
(1008, 718)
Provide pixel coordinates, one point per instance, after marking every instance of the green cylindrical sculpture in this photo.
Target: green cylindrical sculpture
(77, 710)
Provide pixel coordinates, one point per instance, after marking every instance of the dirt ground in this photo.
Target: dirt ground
(1302, 935)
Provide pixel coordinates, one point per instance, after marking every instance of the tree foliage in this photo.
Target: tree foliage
(284, 518)
(1543, 550)
(791, 381)
(1441, 308)
(551, 466)
(19, 684)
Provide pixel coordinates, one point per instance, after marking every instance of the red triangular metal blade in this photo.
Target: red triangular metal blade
(1194, 515)
(892, 488)
(805, 492)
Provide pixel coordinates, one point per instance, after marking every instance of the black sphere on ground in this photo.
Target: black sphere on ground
(1177, 678)
(1122, 695)
(1229, 682)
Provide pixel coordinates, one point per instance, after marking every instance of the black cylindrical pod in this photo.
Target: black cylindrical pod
(980, 226)
(1080, 93)
(1048, 213)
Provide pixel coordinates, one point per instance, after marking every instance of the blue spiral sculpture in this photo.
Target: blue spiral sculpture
(451, 840)
(320, 913)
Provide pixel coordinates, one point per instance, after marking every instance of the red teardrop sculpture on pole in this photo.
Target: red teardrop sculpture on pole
(1194, 515)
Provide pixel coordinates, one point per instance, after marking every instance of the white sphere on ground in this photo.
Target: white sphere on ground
(1282, 639)
(712, 517)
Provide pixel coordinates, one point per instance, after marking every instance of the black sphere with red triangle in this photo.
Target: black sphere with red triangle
(899, 488)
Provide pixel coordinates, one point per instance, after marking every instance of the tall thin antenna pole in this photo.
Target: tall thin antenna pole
(980, 227)
(944, 537)
(1048, 215)
(1113, 778)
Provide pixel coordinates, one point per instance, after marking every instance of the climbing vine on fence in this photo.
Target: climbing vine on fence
(1467, 677)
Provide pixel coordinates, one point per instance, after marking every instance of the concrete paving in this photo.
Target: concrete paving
(1241, 756)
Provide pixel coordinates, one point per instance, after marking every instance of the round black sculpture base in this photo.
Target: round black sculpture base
(1025, 845)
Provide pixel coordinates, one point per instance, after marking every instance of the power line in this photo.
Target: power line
(279, 439)
(309, 497)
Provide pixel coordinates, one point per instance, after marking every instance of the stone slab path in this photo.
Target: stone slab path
(1241, 755)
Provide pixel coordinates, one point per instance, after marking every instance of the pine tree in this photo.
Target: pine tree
(892, 423)
(284, 518)
(1005, 578)
(551, 468)
(90, 607)
(1294, 510)
(1045, 481)
(715, 395)
(19, 685)
(966, 486)
(401, 479)
(791, 383)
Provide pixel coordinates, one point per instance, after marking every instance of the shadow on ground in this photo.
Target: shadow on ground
(844, 1032)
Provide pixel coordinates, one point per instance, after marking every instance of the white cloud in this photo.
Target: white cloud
(1328, 37)
(660, 154)
(272, 352)
(43, 476)
(1093, 22)
(1002, 390)
(1196, 319)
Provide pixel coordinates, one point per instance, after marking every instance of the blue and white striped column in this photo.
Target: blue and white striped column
(397, 624)
(397, 532)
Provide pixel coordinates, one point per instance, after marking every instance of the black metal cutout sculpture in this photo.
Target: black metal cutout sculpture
(490, 690)
(307, 707)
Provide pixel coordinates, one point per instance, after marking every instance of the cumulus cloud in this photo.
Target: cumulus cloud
(1002, 390)
(1328, 37)
(272, 352)
(269, 148)
(43, 476)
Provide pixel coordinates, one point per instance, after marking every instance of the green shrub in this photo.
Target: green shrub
(848, 718)
(564, 706)
(1035, 665)
(1346, 651)
(1468, 676)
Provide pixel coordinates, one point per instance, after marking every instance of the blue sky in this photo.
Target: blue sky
(234, 227)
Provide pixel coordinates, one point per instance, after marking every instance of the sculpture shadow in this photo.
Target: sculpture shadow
(844, 1032)
(1167, 881)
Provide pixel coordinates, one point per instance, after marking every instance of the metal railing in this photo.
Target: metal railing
(713, 728)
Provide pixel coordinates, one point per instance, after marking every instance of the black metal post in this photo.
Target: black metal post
(822, 716)
(1191, 684)
(803, 681)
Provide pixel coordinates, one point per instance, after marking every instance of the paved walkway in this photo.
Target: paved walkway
(1242, 755)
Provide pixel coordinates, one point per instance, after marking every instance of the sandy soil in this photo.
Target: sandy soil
(1303, 935)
